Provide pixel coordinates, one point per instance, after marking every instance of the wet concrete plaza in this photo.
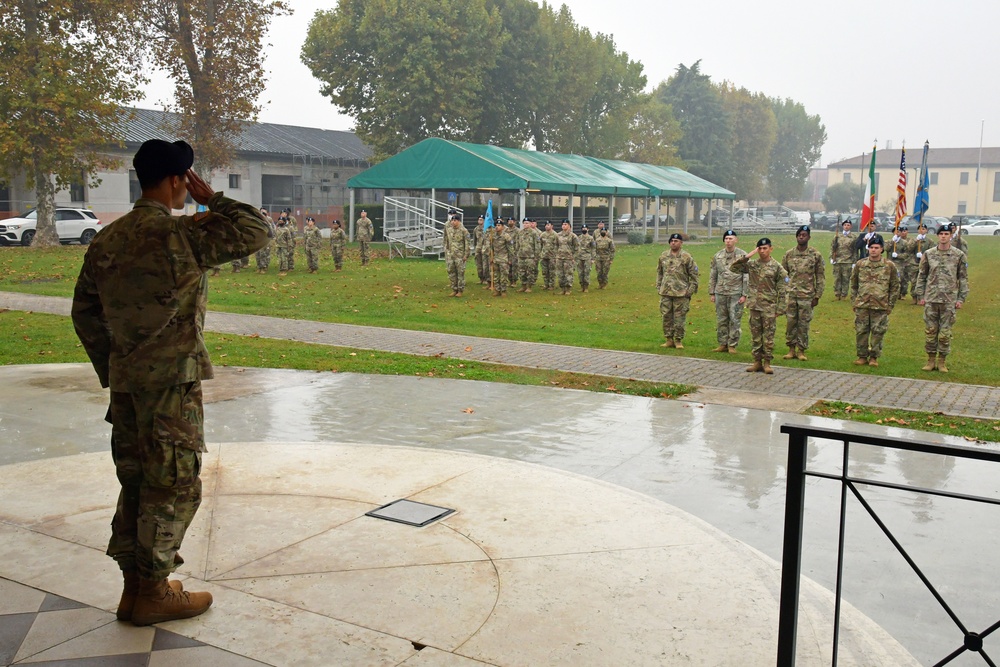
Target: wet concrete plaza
(719, 464)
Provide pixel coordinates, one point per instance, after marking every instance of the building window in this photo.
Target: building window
(996, 186)
(961, 208)
(77, 191)
(934, 176)
(847, 177)
(134, 189)
(234, 181)
(963, 178)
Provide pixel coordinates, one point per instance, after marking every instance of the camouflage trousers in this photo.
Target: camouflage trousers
(263, 258)
(603, 266)
(728, 316)
(291, 258)
(583, 271)
(870, 326)
(456, 273)
(338, 257)
(501, 276)
(482, 267)
(798, 313)
(549, 272)
(842, 279)
(157, 438)
(528, 270)
(939, 318)
(564, 272)
(240, 263)
(762, 329)
(674, 310)
(512, 272)
(908, 278)
(284, 259)
(312, 258)
(363, 246)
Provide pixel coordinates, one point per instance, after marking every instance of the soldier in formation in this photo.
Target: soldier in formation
(284, 241)
(874, 290)
(263, 256)
(364, 232)
(293, 227)
(942, 287)
(501, 249)
(512, 265)
(903, 254)
(144, 338)
(604, 251)
(529, 248)
(457, 246)
(842, 254)
(312, 239)
(482, 259)
(806, 279)
(920, 245)
(550, 242)
(338, 241)
(566, 247)
(676, 283)
(728, 291)
(584, 258)
(767, 286)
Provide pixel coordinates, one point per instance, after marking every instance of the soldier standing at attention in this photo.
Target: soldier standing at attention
(768, 284)
(364, 233)
(604, 249)
(566, 245)
(293, 229)
(501, 248)
(457, 246)
(143, 335)
(312, 238)
(479, 242)
(550, 241)
(512, 231)
(338, 241)
(902, 255)
(676, 283)
(874, 290)
(728, 292)
(942, 287)
(263, 256)
(584, 258)
(806, 279)
(529, 246)
(285, 244)
(842, 255)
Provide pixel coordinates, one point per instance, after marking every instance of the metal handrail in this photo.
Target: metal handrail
(791, 556)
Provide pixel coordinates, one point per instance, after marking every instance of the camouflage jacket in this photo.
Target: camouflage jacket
(139, 303)
(566, 245)
(479, 239)
(842, 248)
(723, 281)
(338, 239)
(501, 244)
(875, 285)
(943, 276)
(550, 241)
(457, 243)
(676, 275)
(806, 273)
(284, 238)
(604, 246)
(768, 284)
(312, 237)
(585, 246)
(529, 246)
(904, 249)
(363, 229)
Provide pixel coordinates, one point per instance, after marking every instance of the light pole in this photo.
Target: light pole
(982, 126)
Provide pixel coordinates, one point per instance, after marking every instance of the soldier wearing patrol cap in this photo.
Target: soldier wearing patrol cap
(676, 283)
(768, 284)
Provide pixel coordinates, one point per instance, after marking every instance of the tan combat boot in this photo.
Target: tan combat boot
(800, 354)
(861, 361)
(669, 343)
(527, 290)
(766, 363)
(791, 352)
(131, 590)
(721, 348)
(756, 367)
(941, 366)
(679, 345)
(158, 601)
(873, 362)
(732, 349)
(931, 363)
(458, 294)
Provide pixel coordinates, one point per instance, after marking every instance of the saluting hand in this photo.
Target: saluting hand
(200, 191)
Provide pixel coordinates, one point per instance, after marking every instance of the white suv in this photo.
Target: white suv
(72, 224)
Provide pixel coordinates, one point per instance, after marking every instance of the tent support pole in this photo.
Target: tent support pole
(350, 221)
(656, 222)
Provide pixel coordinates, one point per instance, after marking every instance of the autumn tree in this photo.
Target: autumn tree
(66, 66)
(649, 134)
(213, 51)
(797, 148)
(843, 197)
(754, 131)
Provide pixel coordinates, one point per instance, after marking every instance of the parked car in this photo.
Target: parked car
(664, 220)
(626, 220)
(72, 225)
(987, 227)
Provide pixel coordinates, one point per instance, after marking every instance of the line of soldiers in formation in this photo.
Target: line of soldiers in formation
(505, 254)
(934, 270)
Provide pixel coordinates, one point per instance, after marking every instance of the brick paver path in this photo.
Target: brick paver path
(870, 390)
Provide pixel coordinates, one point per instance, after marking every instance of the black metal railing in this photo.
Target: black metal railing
(791, 556)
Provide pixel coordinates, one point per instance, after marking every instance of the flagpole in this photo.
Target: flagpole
(982, 126)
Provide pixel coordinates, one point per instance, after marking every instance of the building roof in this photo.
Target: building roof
(442, 164)
(669, 181)
(936, 157)
(258, 138)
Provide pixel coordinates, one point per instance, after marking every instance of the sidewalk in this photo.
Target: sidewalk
(798, 384)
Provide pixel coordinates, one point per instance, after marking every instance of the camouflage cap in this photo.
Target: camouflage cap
(156, 159)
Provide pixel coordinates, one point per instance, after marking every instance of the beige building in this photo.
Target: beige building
(954, 189)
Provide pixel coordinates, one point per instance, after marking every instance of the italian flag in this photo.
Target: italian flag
(868, 203)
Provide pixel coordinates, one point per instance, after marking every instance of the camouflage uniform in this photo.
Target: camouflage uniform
(676, 283)
(482, 262)
(874, 290)
(501, 249)
(767, 292)
(263, 257)
(566, 246)
(604, 248)
(550, 241)
(806, 280)
(293, 229)
(457, 245)
(313, 240)
(512, 231)
(286, 246)
(942, 281)
(529, 246)
(364, 234)
(240, 263)
(144, 338)
(338, 241)
(727, 288)
(906, 261)
(842, 253)
(584, 259)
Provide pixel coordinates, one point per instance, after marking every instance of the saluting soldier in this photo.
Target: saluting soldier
(676, 283)
(767, 296)
(874, 290)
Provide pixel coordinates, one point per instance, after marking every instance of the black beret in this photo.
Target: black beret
(157, 159)
(763, 242)
(804, 228)
(876, 240)
(946, 227)
(482, 218)
(565, 220)
(904, 228)
(675, 236)
(729, 232)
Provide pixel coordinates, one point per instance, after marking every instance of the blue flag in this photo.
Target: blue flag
(489, 215)
(922, 200)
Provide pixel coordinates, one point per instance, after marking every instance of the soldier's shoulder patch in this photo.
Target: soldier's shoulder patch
(201, 215)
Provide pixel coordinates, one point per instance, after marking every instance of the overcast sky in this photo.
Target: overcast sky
(890, 70)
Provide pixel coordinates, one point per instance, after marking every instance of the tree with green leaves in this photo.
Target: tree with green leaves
(648, 134)
(797, 148)
(842, 197)
(213, 51)
(754, 131)
(66, 67)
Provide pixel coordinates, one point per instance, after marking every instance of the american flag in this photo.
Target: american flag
(901, 190)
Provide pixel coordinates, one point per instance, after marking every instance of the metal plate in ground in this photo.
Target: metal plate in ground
(409, 512)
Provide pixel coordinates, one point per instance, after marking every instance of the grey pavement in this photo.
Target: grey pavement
(798, 384)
